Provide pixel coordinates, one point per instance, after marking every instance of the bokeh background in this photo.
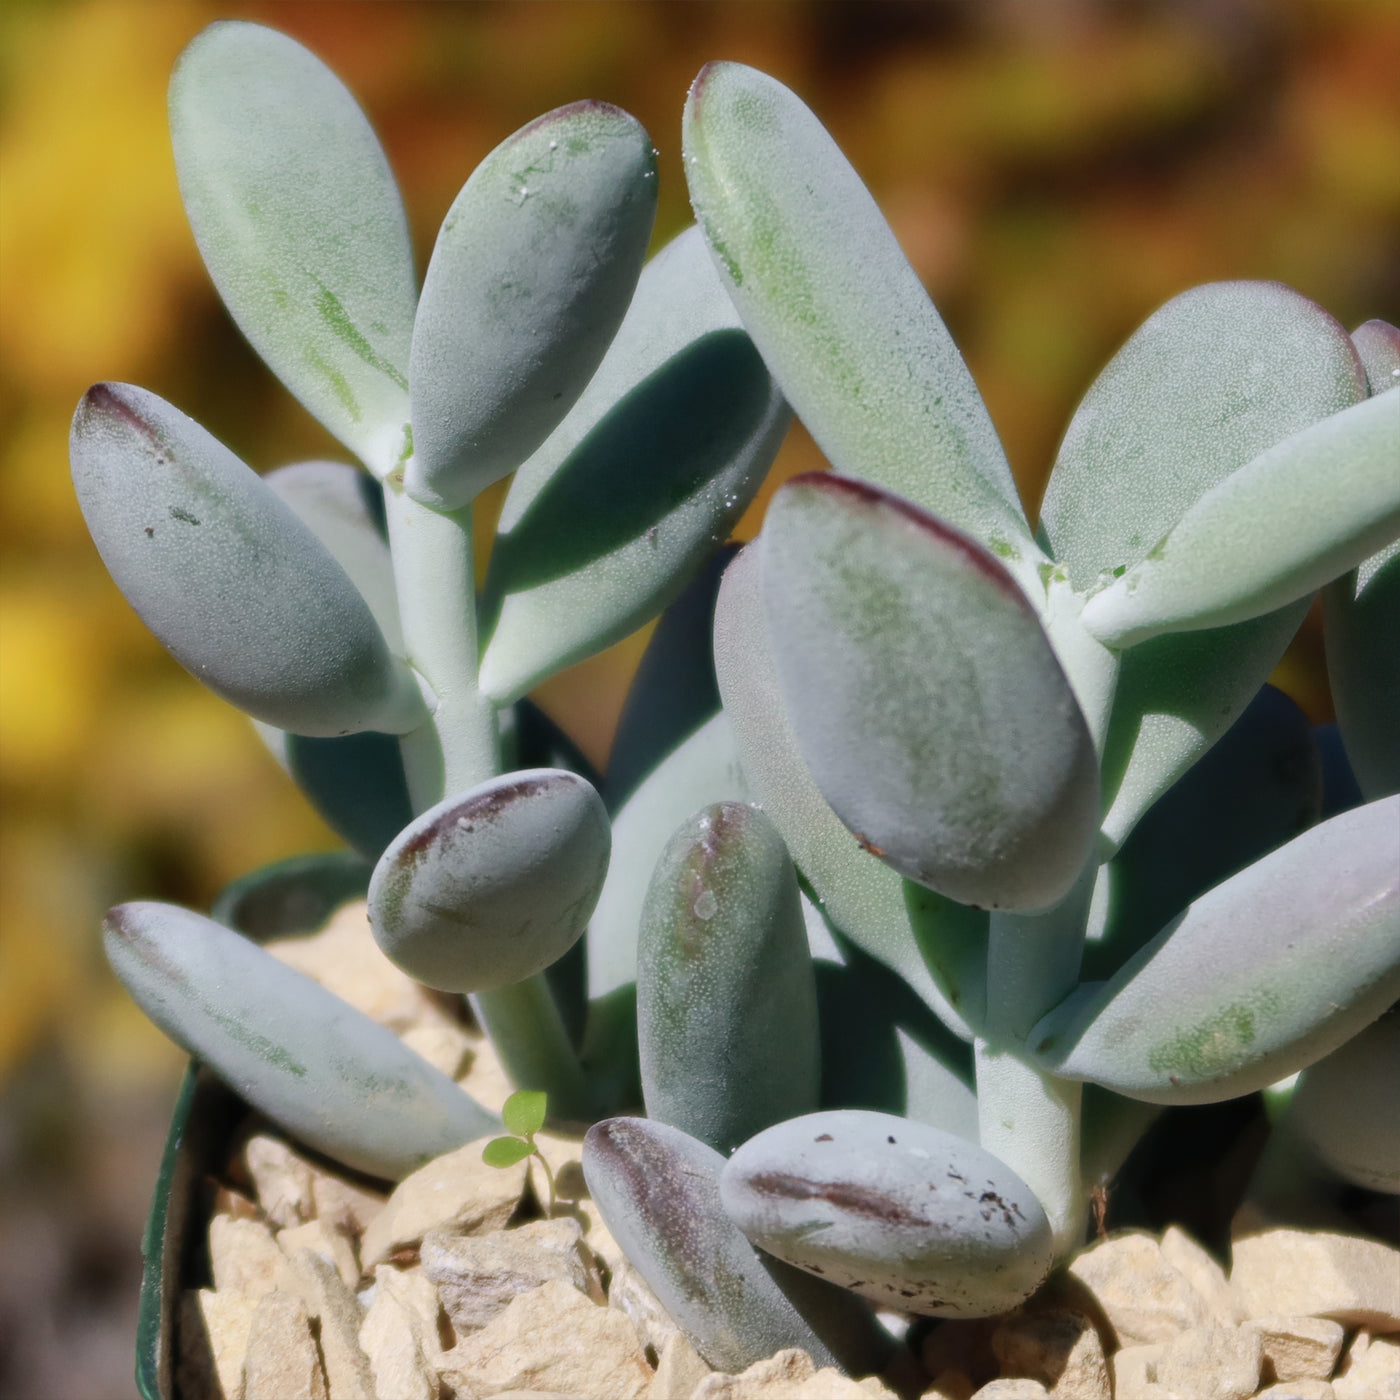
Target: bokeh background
(1055, 170)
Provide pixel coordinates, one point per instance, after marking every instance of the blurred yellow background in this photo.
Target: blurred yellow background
(1055, 169)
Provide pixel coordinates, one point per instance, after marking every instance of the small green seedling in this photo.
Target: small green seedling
(523, 1114)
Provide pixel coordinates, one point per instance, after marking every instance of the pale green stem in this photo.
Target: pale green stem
(459, 748)
(1026, 1117)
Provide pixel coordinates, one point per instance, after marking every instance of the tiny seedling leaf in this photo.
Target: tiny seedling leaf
(506, 1151)
(523, 1113)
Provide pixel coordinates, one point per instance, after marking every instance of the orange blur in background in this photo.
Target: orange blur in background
(1054, 169)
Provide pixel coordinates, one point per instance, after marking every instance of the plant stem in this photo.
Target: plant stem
(525, 1027)
(548, 1176)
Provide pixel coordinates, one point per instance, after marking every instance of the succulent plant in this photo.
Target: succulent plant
(974, 847)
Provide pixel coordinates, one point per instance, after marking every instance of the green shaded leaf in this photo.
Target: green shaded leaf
(1277, 529)
(297, 895)
(608, 521)
(300, 224)
(523, 1112)
(837, 311)
(506, 1151)
(1215, 377)
(490, 886)
(1260, 977)
(925, 697)
(936, 946)
(231, 582)
(318, 1068)
(534, 267)
(726, 999)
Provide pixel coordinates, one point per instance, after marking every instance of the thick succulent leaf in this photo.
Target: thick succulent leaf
(232, 583)
(1378, 344)
(299, 222)
(291, 896)
(533, 269)
(700, 771)
(609, 520)
(1347, 1107)
(837, 311)
(344, 509)
(356, 784)
(538, 742)
(1215, 377)
(937, 946)
(925, 696)
(726, 997)
(318, 1068)
(1299, 514)
(906, 1215)
(1257, 979)
(1176, 696)
(657, 1190)
(1362, 620)
(1260, 786)
(674, 691)
(492, 885)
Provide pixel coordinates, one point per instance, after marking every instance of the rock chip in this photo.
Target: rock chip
(389, 1337)
(1012, 1389)
(330, 1244)
(680, 1369)
(1204, 1274)
(1145, 1298)
(342, 1204)
(211, 1341)
(1371, 1370)
(949, 1385)
(1298, 1390)
(244, 1256)
(456, 1191)
(1133, 1368)
(478, 1275)
(789, 1375)
(419, 1298)
(630, 1294)
(1222, 1362)
(552, 1338)
(281, 1178)
(447, 1048)
(1317, 1273)
(1299, 1348)
(1058, 1348)
(282, 1363)
(338, 1320)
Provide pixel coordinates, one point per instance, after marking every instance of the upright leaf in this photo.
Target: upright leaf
(299, 222)
(837, 311)
(236, 588)
(533, 269)
(606, 523)
(925, 696)
(1260, 977)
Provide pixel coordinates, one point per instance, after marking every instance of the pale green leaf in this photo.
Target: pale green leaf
(506, 1151)
(1378, 344)
(523, 1112)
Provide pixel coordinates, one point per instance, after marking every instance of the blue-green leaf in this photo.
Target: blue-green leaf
(1378, 344)
(239, 591)
(300, 224)
(606, 523)
(533, 269)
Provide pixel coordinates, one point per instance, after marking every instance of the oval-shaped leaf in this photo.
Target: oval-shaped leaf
(906, 1215)
(1362, 614)
(607, 522)
(1299, 514)
(925, 697)
(837, 311)
(1259, 978)
(939, 948)
(523, 1113)
(1378, 344)
(506, 1152)
(235, 587)
(300, 224)
(658, 1193)
(325, 1072)
(492, 885)
(534, 267)
(1208, 382)
(726, 998)
(1347, 1107)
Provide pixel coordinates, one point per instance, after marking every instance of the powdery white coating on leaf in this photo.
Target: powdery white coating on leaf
(300, 224)
(1258, 978)
(1208, 382)
(326, 1073)
(335, 502)
(867, 900)
(534, 267)
(1378, 345)
(726, 994)
(701, 770)
(925, 697)
(1284, 524)
(840, 316)
(908, 1216)
(492, 885)
(240, 592)
(648, 474)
